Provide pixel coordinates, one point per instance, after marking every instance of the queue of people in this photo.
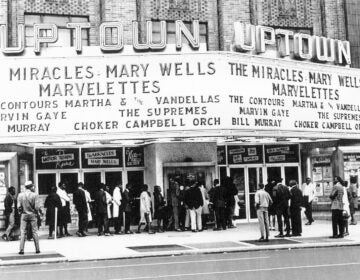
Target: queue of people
(284, 203)
(187, 207)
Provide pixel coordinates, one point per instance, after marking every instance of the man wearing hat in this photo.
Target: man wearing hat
(28, 205)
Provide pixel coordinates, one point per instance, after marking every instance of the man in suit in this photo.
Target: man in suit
(126, 207)
(101, 211)
(281, 196)
(10, 212)
(295, 208)
(82, 209)
(218, 200)
(231, 191)
(174, 200)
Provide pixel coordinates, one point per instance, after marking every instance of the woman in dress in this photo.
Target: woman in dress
(159, 204)
(145, 210)
(52, 202)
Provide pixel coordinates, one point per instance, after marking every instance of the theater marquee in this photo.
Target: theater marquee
(157, 95)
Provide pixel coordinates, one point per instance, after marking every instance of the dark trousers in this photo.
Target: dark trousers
(127, 221)
(182, 217)
(229, 215)
(83, 221)
(102, 222)
(118, 222)
(295, 214)
(308, 209)
(280, 213)
(337, 222)
(220, 217)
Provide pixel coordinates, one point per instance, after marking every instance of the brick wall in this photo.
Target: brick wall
(3, 11)
(124, 11)
(353, 32)
(289, 13)
(229, 12)
(188, 10)
(61, 7)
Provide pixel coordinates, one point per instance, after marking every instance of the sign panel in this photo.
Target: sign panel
(61, 158)
(101, 157)
(134, 156)
(281, 153)
(245, 154)
(157, 95)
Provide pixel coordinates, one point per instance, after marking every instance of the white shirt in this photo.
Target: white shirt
(63, 196)
(309, 190)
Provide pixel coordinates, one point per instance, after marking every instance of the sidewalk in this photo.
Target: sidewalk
(242, 238)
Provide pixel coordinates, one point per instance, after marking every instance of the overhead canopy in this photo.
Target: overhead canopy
(5, 156)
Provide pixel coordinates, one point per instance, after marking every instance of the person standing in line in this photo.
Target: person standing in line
(195, 202)
(346, 209)
(281, 196)
(296, 198)
(101, 211)
(205, 208)
(88, 203)
(145, 210)
(187, 191)
(231, 191)
(126, 207)
(337, 207)
(10, 212)
(64, 211)
(159, 204)
(109, 202)
(174, 200)
(272, 211)
(353, 199)
(117, 213)
(28, 205)
(218, 201)
(182, 208)
(52, 202)
(308, 190)
(262, 203)
(80, 202)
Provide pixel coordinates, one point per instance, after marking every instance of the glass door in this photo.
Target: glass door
(136, 181)
(91, 181)
(112, 178)
(291, 173)
(255, 177)
(273, 173)
(285, 171)
(238, 176)
(70, 180)
(45, 182)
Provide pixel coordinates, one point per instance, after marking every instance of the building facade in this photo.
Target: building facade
(250, 151)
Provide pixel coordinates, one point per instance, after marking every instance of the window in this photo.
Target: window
(170, 26)
(66, 36)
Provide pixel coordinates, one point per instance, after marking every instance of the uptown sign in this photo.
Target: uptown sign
(247, 38)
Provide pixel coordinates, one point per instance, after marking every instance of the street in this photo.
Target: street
(324, 263)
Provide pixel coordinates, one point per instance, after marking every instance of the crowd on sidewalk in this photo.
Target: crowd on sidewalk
(188, 206)
(284, 203)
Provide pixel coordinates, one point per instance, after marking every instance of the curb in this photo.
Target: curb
(252, 248)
